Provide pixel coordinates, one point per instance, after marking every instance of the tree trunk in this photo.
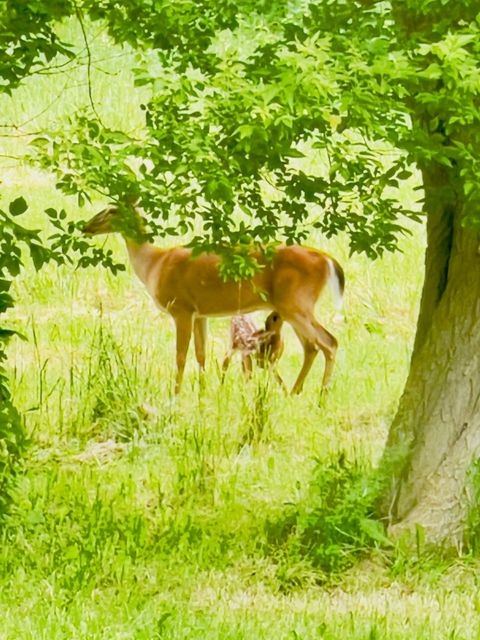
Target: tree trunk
(436, 433)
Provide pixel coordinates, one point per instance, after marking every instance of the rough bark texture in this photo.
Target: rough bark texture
(440, 203)
(436, 433)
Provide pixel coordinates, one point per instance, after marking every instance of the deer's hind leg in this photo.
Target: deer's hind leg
(314, 338)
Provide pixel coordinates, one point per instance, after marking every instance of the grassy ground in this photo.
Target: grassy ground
(230, 512)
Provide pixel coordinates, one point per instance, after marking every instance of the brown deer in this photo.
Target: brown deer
(190, 289)
(265, 345)
(242, 339)
(269, 341)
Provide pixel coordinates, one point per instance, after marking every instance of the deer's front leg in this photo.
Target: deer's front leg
(183, 324)
(200, 340)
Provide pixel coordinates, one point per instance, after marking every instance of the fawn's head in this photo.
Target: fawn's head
(274, 322)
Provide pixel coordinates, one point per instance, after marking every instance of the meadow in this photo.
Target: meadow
(231, 511)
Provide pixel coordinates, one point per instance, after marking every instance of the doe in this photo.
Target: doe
(191, 289)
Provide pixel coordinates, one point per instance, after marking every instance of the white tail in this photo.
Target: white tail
(190, 289)
(337, 285)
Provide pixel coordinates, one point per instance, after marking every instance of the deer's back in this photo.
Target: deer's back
(194, 284)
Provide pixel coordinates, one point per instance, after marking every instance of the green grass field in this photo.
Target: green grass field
(232, 511)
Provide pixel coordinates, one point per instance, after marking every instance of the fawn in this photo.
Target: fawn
(265, 345)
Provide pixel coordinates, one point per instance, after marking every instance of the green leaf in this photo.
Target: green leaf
(375, 531)
(6, 334)
(18, 206)
(40, 255)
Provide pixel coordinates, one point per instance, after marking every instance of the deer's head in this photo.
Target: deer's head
(274, 322)
(116, 218)
(106, 221)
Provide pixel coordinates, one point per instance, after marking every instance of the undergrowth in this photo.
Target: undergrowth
(334, 524)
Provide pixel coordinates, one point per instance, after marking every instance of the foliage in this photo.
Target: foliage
(59, 247)
(472, 532)
(12, 434)
(28, 38)
(239, 98)
(242, 93)
(243, 96)
(335, 525)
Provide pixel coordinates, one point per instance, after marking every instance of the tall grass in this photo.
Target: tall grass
(231, 511)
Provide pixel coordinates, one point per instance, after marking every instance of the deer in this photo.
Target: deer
(265, 345)
(270, 342)
(242, 339)
(191, 290)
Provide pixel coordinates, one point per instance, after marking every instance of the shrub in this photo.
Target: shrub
(334, 523)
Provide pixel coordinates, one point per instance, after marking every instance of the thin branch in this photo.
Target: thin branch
(37, 115)
(19, 134)
(59, 69)
(19, 127)
(79, 59)
(89, 63)
(54, 69)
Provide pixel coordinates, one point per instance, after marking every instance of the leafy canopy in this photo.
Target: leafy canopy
(263, 121)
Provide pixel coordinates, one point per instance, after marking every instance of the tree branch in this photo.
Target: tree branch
(89, 62)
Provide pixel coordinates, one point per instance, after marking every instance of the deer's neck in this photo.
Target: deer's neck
(144, 259)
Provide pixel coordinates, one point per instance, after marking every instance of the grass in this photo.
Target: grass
(229, 512)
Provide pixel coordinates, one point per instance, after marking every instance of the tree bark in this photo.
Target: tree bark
(435, 435)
